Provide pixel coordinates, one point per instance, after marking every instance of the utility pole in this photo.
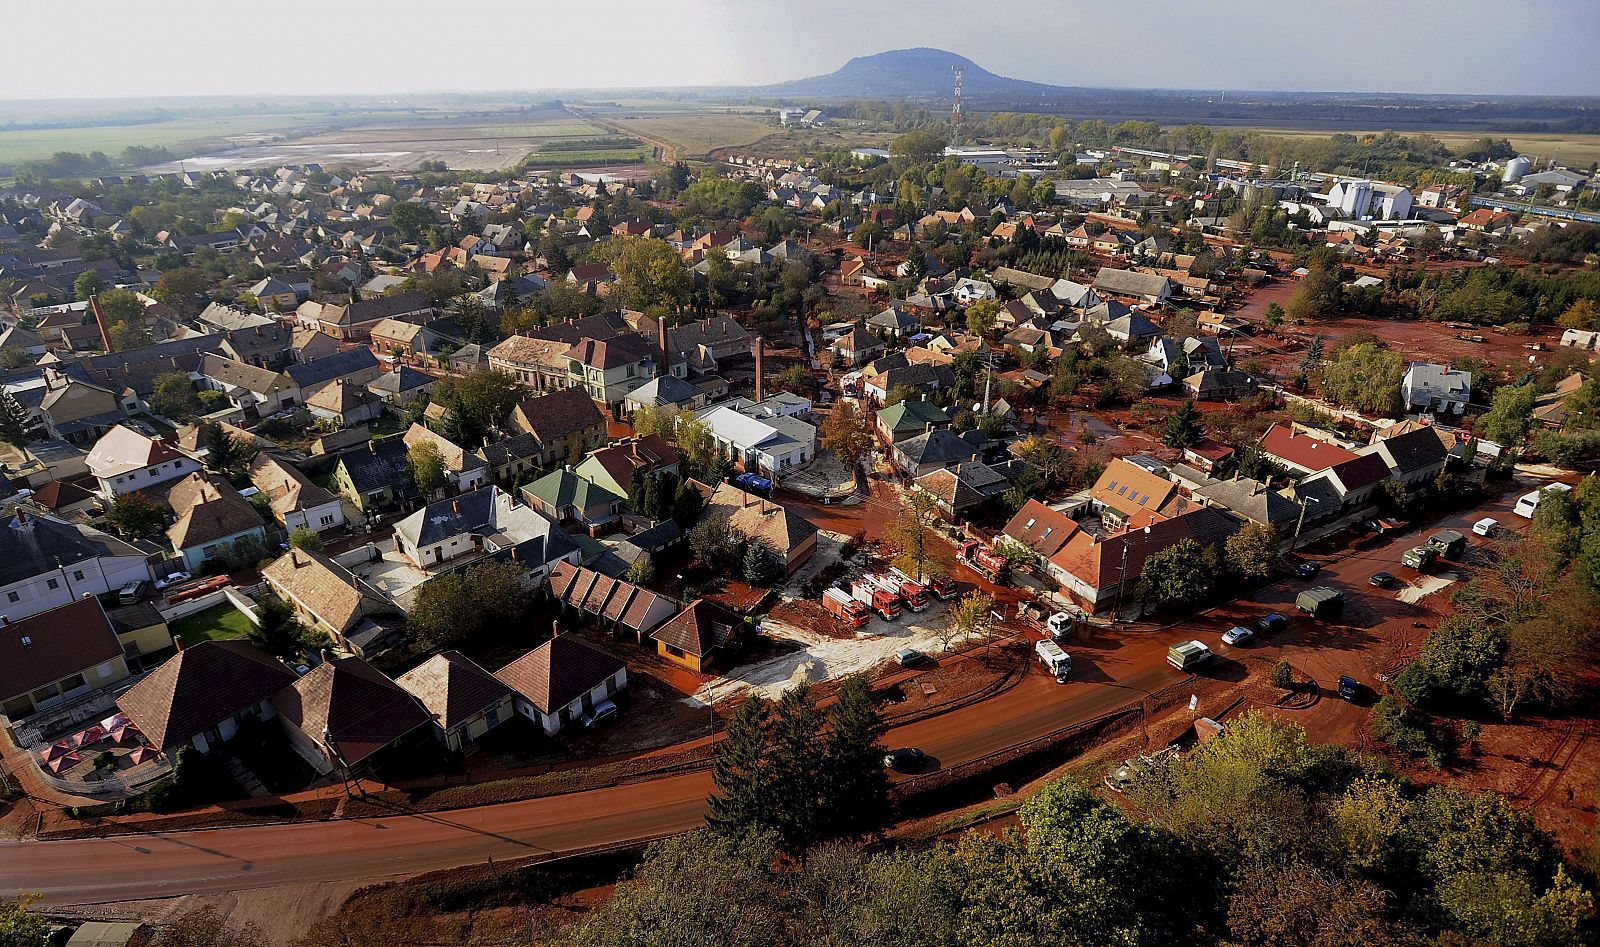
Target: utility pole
(1300, 522)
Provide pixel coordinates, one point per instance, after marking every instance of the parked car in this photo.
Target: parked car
(175, 578)
(1237, 635)
(1486, 526)
(1306, 570)
(907, 759)
(602, 712)
(755, 483)
(1349, 688)
(1273, 623)
(1381, 580)
(910, 657)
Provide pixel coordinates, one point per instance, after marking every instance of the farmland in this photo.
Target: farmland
(694, 134)
(19, 145)
(1576, 150)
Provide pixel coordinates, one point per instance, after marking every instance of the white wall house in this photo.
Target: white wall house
(125, 460)
(1439, 389)
(48, 562)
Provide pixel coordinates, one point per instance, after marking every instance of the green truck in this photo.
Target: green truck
(1320, 602)
(1188, 655)
(1448, 543)
(1419, 557)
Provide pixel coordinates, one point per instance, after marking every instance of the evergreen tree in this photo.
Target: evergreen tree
(760, 565)
(743, 795)
(1183, 426)
(855, 786)
(1313, 356)
(686, 505)
(797, 797)
(14, 421)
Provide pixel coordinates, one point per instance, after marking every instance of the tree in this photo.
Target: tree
(650, 274)
(14, 421)
(126, 335)
(797, 804)
(847, 433)
(919, 551)
(1177, 574)
(87, 284)
(134, 515)
(855, 786)
(1313, 356)
(1251, 551)
(426, 466)
(697, 444)
(411, 220)
(716, 543)
(483, 599)
(1366, 377)
(225, 454)
(1510, 414)
(302, 537)
(972, 615)
(173, 396)
(1457, 660)
(1320, 292)
(981, 316)
(795, 378)
(687, 503)
(655, 419)
(917, 147)
(1183, 428)
(760, 564)
(742, 798)
(642, 570)
(278, 630)
(183, 289)
(20, 927)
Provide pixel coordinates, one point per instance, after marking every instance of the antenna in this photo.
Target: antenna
(955, 112)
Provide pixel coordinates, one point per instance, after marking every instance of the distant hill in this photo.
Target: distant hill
(920, 73)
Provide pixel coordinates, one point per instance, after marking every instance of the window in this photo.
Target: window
(154, 472)
(54, 584)
(675, 652)
(327, 520)
(1047, 530)
(1029, 525)
(77, 576)
(209, 552)
(12, 596)
(492, 718)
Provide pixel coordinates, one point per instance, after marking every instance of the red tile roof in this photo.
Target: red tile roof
(1303, 450)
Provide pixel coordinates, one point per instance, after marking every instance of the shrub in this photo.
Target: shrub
(1392, 724)
(1282, 675)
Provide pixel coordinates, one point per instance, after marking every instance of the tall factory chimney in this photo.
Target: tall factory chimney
(100, 321)
(761, 381)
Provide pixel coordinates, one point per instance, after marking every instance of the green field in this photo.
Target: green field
(562, 159)
(217, 623)
(17, 146)
(1576, 150)
(537, 130)
(696, 134)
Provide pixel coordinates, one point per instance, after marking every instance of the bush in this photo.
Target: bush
(1392, 724)
(1282, 675)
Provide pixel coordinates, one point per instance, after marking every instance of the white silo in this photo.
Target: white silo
(1515, 169)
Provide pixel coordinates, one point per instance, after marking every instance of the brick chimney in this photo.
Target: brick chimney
(555, 628)
(177, 642)
(760, 378)
(455, 507)
(666, 361)
(100, 322)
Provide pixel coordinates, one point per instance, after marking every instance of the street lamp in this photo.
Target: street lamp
(1301, 522)
(988, 633)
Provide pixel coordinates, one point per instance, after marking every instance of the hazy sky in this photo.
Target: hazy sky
(189, 47)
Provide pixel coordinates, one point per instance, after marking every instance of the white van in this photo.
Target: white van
(1530, 502)
(1055, 660)
(1486, 526)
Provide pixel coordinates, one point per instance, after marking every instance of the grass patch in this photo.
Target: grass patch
(556, 129)
(698, 134)
(557, 159)
(217, 623)
(21, 145)
(978, 814)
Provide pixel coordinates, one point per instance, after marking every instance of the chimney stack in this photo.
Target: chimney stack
(455, 507)
(555, 628)
(760, 379)
(177, 642)
(100, 322)
(666, 356)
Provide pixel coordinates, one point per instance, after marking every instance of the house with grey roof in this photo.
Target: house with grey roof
(938, 449)
(487, 522)
(1438, 389)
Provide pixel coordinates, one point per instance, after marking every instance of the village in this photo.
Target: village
(466, 490)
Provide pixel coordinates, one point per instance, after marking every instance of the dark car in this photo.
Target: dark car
(1273, 623)
(1306, 570)
(754, 483)
(1349, 688)
(1382, 580)
(907, 759)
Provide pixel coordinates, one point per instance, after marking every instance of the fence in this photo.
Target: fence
(128, 782)
(193, 605)
(64, 717)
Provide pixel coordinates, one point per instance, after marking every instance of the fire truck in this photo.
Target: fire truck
(990, 564)
(876, 597)
(913, 594)
(841, 606)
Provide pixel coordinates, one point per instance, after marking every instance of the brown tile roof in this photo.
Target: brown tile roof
(605, 598)
(553, 416)
(322, 587)
(757, 518)
(60, 642)
(699, 629)
(1098, 562)
(1127, 488)
(1040, 528)
(453, 688)
(645, 455)
(61, 493)
(1302, 449)
(611, 353)
(208, 509)
(361, 710)
(284, 485)
(201, 686)
(530, 351)
(456, 458)
(558, 672)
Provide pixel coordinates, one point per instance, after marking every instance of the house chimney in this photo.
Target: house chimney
(177, 642)
(372, 447)
(455, 507)
(760, 380)
(555, 628)
(100, 321)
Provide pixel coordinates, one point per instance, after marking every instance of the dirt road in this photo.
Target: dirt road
(1113, 670)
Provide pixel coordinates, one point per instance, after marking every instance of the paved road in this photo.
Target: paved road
(1112, 671)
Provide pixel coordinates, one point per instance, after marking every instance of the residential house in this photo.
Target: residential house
(1252, 500)
(791, 536)
(125, 460)
(609, 369)
(296, 502)
(907, 419)
(355, 321)
(1437, 389)
(331, 599)
(894, 322)
(46, 562)
(200, 695)
(374, 477)
(464, 700)
(566, 424)
(700, 636)
(140, 628)
(65, 498)
(1414, 458)
(352, 366)
(344, 713)
(969, 485)
(401, 387)
(562, 680)
(463, 470)
(565, 497)
(857, 347)
(400, 338)
(273, 292)
(613, 468)
(614, 606)
(56, 655)
(1301, 453)
(78, 412)
(345, 404)
(1126, 491)
(1215, 384)
(1041, 529)
(1354, 483)
(211, 517)
(1207, 455)
(666, 391)
(758, 442)
(259, 391)
(1098, 572)
(509, 458)
(486, 523)
(937, 448)
(540, 364)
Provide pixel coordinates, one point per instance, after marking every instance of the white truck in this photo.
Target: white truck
(1055, 660)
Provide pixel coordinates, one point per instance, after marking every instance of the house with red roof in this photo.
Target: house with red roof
(125, 460)
(1301, 453)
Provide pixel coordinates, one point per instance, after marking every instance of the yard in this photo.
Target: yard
(217, 623)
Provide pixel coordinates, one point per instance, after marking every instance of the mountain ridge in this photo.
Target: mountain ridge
(917, 72)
